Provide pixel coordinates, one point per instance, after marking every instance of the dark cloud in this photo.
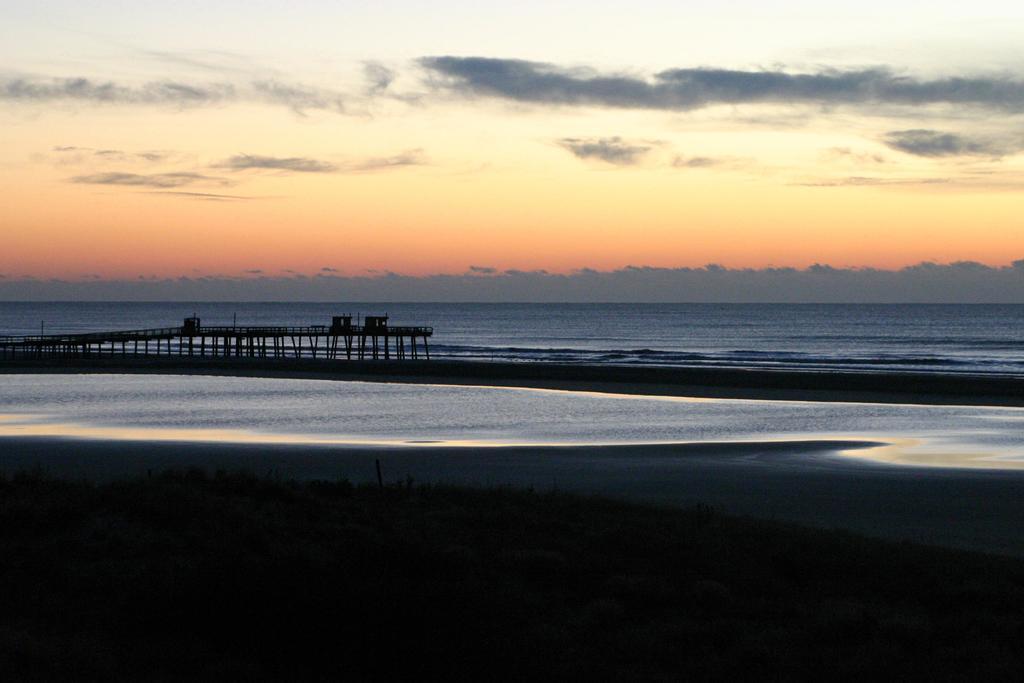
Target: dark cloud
(688, 89)
(963, 281)
(241, 162)
(612, 150)
(483, 270)
(296, 97)
(525, 273)
(328, 269)
(157, 180)
(933, 143)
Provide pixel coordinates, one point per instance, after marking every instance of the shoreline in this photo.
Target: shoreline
(728, 383)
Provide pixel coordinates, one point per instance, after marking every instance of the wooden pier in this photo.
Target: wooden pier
(341, 340)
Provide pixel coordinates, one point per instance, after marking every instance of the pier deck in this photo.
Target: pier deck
(374, 339)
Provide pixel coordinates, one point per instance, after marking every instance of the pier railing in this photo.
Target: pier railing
(350, 342)
(85, 337)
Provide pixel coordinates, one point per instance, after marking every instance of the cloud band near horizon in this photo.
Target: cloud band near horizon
(960, 282)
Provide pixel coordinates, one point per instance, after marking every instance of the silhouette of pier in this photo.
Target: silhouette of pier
(373, 339)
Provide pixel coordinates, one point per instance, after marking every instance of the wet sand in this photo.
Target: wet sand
(805, 482)
(871, 387)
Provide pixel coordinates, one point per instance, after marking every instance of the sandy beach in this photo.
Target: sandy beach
(804, 482)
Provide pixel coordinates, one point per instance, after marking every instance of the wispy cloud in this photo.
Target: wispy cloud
(218, 61)
(73, 154)
(695, 88)
(154, 180)
(611, 150)
(964, 182)
(846, 154)
(297, 97)
(874, 181)
(241, 162)
(933, 143)
(152, 156)
(411, 157)
(695, 162)
(378, 77)
(206, 196)
(108, 92)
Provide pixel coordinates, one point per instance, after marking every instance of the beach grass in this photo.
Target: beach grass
(196, 575)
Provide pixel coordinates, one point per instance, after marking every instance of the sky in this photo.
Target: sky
(280, 146)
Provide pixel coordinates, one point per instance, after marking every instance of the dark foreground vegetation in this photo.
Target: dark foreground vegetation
(231, 577)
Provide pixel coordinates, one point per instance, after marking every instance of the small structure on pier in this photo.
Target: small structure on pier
(374, 339)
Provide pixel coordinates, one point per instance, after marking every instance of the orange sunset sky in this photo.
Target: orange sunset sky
(252, 139)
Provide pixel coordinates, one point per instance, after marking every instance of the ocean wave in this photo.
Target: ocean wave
(739, 358)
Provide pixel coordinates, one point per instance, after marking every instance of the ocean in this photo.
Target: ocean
(974, 338)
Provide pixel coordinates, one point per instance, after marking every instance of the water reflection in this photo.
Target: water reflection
(286, 411)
